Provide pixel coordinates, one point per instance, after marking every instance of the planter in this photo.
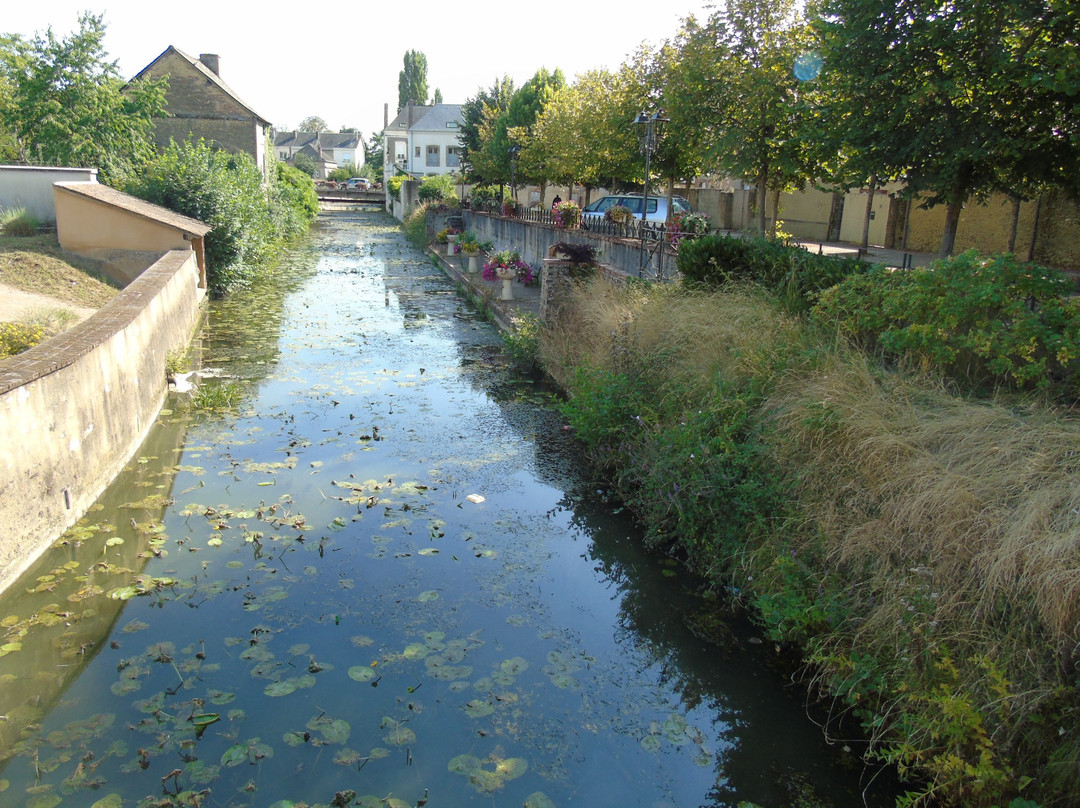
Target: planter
(506, 275)
(450, 240)
(472, 262)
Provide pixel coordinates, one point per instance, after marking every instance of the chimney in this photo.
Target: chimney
(212, 62)
(386, 116)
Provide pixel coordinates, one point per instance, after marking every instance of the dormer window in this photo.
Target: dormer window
(451, 125)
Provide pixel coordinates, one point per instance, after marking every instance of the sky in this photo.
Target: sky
(287, 61)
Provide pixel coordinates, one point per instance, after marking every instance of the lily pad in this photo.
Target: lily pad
(478, 708)
(362, 673)
(428, 596)
(400, 736)
(538, 799)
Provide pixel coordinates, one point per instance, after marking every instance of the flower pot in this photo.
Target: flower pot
(472, 262)
(450, 245)
(506, 275)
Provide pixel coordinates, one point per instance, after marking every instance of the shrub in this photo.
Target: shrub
(394, 184)
(226, 191)
(522, 341)
(982, 320)
(306, 164)
(415, 225)
(439, 187)
(18, 222)
(488, 197)
(18, 337)
(794, 275)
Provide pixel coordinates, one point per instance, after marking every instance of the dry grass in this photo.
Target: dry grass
(976, 500)
(37, 264)
(691, 339)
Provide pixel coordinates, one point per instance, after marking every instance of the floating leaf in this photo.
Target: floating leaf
(361, 673)
(428, 551)
(282, 688)
(514, 666)
(538, 799)
(235, 755)
(478, 708)
(428, 596)
(111, 801)
(334, 730)
(416, 651)
(399, 736)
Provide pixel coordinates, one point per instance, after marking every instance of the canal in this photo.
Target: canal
(370, 572)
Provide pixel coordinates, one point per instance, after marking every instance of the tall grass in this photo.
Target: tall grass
(923, 549)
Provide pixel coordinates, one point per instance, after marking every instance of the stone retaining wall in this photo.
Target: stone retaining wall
(74, 409)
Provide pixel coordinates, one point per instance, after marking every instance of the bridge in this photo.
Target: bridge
(340, 195)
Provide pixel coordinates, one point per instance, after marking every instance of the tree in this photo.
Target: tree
(373, 153)
(966, 97)
(412, 80)
(313, 123)
(63, 103)
(525, 107)
(763, 122)
(306, 164)
(479, 119)
(437, 98)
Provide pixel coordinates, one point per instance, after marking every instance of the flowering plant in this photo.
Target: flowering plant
(688, 226)
(567, 214)
(619, 214)
(509, 208)
(507, 259)
(443, 235)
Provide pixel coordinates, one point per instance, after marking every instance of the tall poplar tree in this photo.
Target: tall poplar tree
(412, 80)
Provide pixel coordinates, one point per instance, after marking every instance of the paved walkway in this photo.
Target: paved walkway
(526, 298)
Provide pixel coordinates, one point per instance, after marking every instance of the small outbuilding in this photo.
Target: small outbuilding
(123, 233)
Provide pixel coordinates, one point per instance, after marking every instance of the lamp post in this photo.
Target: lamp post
(650, 127)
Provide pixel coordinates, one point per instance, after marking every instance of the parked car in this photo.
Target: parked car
(356, 184)
(658, 207)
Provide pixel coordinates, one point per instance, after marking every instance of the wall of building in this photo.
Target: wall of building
(30, 187)
(74, 409)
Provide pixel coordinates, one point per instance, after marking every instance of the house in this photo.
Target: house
(201, 105)
(329, 150)
(423, 141)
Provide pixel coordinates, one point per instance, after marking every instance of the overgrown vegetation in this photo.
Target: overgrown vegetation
(918, 545)
(415, 226)
(522, 341)
(18, 222)
(225, 190)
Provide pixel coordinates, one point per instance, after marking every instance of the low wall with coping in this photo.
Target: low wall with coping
(74, 409)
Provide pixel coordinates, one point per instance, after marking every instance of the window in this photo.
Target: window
(453, 156)
(451, 125)
(432, 155)
(417, 151)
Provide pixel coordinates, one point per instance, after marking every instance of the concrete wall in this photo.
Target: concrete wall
(74, 409)
(30, 187)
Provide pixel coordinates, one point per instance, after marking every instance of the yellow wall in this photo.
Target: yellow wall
(86, 224)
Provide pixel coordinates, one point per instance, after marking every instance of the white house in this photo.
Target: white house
(423, 141)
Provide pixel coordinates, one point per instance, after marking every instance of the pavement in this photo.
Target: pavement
(456, 267)
(16, 305)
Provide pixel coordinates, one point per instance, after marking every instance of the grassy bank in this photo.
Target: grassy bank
(919, 547)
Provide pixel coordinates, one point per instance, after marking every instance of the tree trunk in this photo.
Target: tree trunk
(543, 193)
(1011, 248)
(763, 178)
(670, 195)
(775, 213)
(952, 220)
(869, 210)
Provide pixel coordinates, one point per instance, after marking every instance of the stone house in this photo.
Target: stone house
(201, 105)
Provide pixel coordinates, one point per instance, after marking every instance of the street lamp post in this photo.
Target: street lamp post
(650, 127)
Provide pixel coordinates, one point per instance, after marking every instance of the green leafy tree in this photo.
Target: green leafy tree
(63, 103)
(763, 133)
(313, 123)
(437, 97)
(525, 107)
(306, 164)
(412, 80)
(373, 153)
(966, 97)
(480, 122)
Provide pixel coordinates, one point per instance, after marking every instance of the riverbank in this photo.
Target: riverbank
(919, 548)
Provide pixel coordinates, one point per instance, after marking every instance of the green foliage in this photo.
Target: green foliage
(982, 320)
(702, 482)
(437, 188)
(226, 191)
(18, 222)
(305, 164)
(348, 171)
(412, 80)
(488, 197)
(522, 341)
(793, 274)
(394, 183)
(313, 123)
(415, 225)
(67, 105)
